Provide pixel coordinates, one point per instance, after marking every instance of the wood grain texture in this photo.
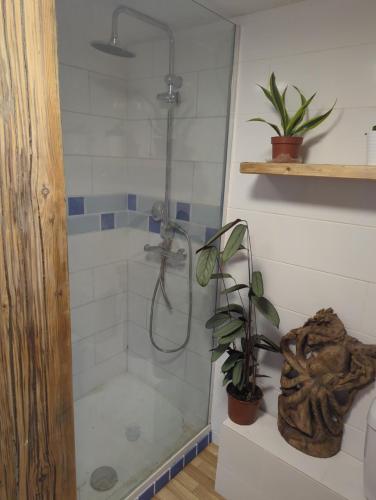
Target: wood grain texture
(196, 481)
(36, 407)
(364, 172)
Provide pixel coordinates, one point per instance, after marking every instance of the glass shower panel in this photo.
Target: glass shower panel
(145, 150)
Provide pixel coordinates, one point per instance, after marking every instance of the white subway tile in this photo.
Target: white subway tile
(78, 175)
(96, 249)
(74, 89)
(83, 355)
(109, 343)
(98, 316)
(182, 181)
(108, 96)
(81, 287)
(200, 139)
(110, 280)
(93, 135)
(141, 279)
(152, 170)
(213, 92)
(137, 138)
(139, 343)
(101, 373)
(306, 291)
(207, 183)
(334, 248)
(109, 175)
(353, 22)
(137, 309)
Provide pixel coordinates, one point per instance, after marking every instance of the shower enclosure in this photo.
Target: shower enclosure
(145, 89)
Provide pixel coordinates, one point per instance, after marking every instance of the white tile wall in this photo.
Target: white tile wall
(108, 96)
(314, 240)
(78, 175)
(110, 175)
(115, 142)
(74, 89)
(98, 316)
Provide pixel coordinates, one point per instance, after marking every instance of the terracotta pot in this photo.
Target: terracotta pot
(286, 149)
(243, 412)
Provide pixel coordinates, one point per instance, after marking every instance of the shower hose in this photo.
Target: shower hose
(160, 285)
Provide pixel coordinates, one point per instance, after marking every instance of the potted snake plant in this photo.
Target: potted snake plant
(287, 144)
(234, 323)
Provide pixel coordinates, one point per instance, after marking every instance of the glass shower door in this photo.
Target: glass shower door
(138, 211)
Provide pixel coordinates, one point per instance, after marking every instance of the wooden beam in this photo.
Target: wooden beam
(359, 172)
(36, 407)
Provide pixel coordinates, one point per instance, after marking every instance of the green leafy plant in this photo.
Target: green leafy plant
(295, 125)
(234, 324)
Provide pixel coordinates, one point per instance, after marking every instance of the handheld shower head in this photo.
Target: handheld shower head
(111, 48)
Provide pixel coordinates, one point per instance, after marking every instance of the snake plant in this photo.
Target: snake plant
(234, 324)
(296, 124)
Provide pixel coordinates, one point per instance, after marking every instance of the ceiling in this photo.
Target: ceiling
(233, 8)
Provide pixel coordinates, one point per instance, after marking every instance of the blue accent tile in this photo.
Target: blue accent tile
(190, 455)
(107, 221)
(106, 203)
(203, 443)
(132, 202)
(76, 205)
(80, 224)
(176, 468)
(154, 227)
(183, 211)
(162, 481)
(147, 494)
(209, 233)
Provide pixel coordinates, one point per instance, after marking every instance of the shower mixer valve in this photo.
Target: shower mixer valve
(177, 257)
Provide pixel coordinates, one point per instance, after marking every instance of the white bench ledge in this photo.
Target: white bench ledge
(256, 463)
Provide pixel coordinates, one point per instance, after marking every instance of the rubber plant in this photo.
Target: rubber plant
(290, 132)
(234, 324)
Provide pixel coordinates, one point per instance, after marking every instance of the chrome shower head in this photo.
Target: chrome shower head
(112, 48)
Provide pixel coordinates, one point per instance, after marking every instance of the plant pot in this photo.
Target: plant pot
(243, 412)
(286, 149)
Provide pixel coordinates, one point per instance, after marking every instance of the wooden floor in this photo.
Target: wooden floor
(195, 481)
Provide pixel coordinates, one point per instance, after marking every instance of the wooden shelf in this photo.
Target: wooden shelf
(364, 172)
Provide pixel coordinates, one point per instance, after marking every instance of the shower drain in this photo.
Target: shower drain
(103, 479)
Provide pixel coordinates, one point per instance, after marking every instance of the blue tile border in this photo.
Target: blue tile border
(132, 202)
(147, 494)
(183, 211)
(154, 227)
(177, 467)
(107, 222)
(76, 205)
(117, 211)
(162, 481)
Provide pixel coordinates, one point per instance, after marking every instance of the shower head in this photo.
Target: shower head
(112, 48)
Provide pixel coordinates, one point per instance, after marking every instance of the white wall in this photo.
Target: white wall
(314, 240)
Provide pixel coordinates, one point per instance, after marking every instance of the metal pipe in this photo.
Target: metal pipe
(147, 19)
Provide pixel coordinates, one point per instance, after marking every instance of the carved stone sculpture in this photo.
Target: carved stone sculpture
(323, 370)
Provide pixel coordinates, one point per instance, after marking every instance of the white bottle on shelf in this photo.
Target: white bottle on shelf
(371, 147)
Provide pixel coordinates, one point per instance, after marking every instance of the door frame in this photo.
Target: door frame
(36, 399)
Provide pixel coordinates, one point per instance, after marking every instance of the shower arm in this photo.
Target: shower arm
(147, 19)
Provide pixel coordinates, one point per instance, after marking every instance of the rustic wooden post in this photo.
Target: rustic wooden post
(36, 416)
